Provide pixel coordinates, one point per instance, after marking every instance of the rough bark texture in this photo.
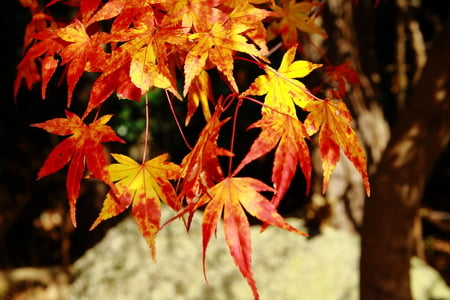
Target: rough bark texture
(421, 133)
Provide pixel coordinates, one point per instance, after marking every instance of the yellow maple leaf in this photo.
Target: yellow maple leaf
(143, 186)
(281, 89)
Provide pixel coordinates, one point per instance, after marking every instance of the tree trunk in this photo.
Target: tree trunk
(421, 134)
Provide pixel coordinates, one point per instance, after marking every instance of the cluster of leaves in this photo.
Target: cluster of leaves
(136, 46)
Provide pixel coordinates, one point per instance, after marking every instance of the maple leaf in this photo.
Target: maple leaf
(144, 186)
(82, 147)
(28, 70)
(48, 43)
(341, 74)
(117, 81)
(196, 15)
(82, 52)
(200, 92)
(249, 15)
(231, 196)
(218, 44)
(149, 60)
(280, 125)
(200, 168)
(294, 16)
(332, 119)
(145, 47)
(282, 91)
(110, 10)
(288, 135)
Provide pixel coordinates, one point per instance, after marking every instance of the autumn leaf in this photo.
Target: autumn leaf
(106, 84)
(29, 73)
(280, 125)
(78, 52)
(194, 15)
(111, 9)
(287, 134)
(149, 65)
(333, 120)
(28, 69)
(282, 91)
(294, 15)
(144, 47)
(82, 52)
(252, 17)
(217, 44)
(143, 186)
(200, 93)
(231, 196)
(83, 147)
(339, 75)
(200, 168)
(42, 52)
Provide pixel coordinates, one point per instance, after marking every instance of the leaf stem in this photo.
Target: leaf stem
(266, 106)
(177, 121)
(233, 135)
(147, 126)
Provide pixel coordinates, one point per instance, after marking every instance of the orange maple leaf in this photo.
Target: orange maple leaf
(112, 9)
(196, 15)
(144, 186)
(200, 168)
(231, 196)
(332, 119)
(217, 44)
(82, 148)
(200, 93)
(288, 135)
(82, 52)
(149, 65)
(294, 15)
(106, 84)
(251, 16)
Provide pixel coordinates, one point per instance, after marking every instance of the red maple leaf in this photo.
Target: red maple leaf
(287, 134)
(231, 196)
(83, 147)
(42, 52)
(339, 75)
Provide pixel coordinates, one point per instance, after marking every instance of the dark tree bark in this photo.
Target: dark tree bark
(421, 133)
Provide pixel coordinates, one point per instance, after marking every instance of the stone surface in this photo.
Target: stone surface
(286, 266)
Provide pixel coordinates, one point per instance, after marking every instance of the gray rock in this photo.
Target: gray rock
(286, 266)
